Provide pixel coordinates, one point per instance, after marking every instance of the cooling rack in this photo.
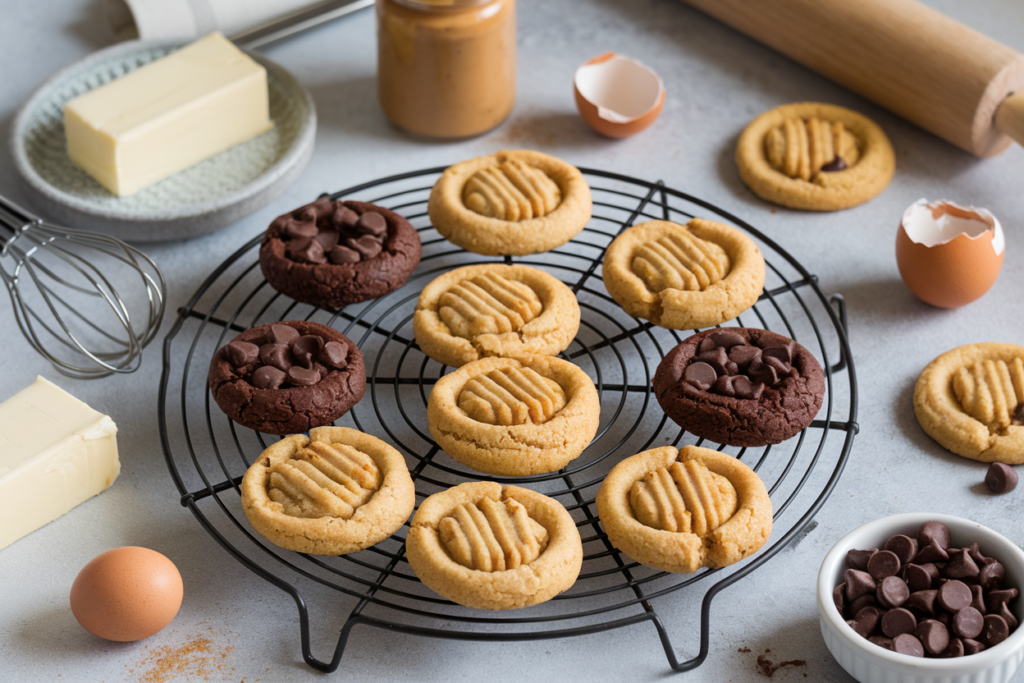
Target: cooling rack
(207, 453)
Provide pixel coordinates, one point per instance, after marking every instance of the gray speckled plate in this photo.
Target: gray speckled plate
(200, 199)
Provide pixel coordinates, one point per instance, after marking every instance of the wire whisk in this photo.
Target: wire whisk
(87, 302)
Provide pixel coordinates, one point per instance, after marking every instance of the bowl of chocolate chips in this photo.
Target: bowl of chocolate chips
(916, 598)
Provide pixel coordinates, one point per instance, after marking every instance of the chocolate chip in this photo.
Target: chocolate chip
(975, 552)
(306, 250)
(344, 217)
(907, 644)
(371, 223)
(303, 376)
(724, 385)
(838, 599)
(760, 371)
(241, 353)
(367, 246)
(294, 229)
(923, 601)
(978, 599)
(882, 564)
(726, 339)
(858, 559)
(933, 532)
(743, 355)
(904, 547)
(931, 552)
(892, 592)
(866, 621)
(343, 255)
(716, 358)
(783, 353)
(281, 334)
(944, 617)
(276, 355)
(997, 598)
(747, 389)
(308, 214)
(1000, 478)
(961, 566)
(882, 641)
(327, 239)
(334, 354)
(972, 647)
(954, 649)
(934, 636)
(917, 577)
(781, 369)
(897, 621)
(731, 368)
(954, 596)
(991, 575)
(1008, 617)
(858, 583)
(866, 600)
(837, 164)
(967, 623)
(308, 343)
(995, 630)
(268, 377)
(701, 375)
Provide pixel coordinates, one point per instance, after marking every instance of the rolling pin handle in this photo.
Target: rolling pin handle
(1010, 117)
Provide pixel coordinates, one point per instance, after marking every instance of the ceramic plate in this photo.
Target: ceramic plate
(200, 199)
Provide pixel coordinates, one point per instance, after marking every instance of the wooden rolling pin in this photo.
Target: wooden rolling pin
(909, 58)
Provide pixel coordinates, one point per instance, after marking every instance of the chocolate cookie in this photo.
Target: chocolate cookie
(286, 378)
(740, 386)
(334, 253)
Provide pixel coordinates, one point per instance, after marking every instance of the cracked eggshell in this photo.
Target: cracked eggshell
(618, 96)
(948, 255)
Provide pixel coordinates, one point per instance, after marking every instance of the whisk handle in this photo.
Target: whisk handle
(15, 218)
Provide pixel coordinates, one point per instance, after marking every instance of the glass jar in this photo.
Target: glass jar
(446, 68)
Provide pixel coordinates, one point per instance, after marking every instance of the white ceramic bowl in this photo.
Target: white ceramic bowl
(870, 663)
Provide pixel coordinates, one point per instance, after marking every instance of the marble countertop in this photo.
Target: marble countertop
(235, 626)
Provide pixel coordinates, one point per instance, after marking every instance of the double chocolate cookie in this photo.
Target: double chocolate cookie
(740, 386)
(335, 253)
(286, 378)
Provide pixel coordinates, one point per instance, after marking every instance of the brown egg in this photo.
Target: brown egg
(126, 593)
(948, 255)
(618, 96)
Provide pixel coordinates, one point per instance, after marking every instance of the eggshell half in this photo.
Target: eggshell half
(126, 594)
(618, 96)
(948, 255)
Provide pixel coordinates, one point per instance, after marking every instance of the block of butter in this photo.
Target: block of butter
(168, 115)
(55, 452)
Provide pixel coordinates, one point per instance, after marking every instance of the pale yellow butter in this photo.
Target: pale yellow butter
(55, 452)
(168, 115)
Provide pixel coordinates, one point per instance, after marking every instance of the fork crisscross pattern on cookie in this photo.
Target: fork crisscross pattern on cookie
(492, 536)
(511, 191)
(684, 498)
(512, 396)
(680, 260)
(991, 391)
(324, 479)
(488, 304)
(800, 147)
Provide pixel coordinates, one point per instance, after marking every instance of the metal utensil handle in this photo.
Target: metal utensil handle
(296, 22)
(16, 219)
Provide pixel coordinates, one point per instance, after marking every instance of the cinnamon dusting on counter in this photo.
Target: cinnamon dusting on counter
(199, 659)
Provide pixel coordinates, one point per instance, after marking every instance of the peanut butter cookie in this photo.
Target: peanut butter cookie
(514, 417)
(337, 491)
(494, 310)
(815, 156)
(684, 276)
(971, 400)
(512, 203)
(682, 510)
(490, 546)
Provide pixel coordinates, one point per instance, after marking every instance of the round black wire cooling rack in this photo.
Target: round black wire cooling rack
(207, 453)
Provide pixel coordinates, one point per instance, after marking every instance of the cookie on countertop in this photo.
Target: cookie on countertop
(334, 253)
(334, 492)
(514, 417)
(512, 203)
(971, 400)
(494, 309)
(490, 546)
(286, 378)
(681, 510)
(815, 156)
(740, 386)
(684, 277)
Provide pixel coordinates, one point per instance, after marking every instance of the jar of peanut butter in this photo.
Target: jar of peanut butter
(446, 68)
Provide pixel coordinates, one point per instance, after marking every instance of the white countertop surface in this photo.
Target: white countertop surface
(235, 626)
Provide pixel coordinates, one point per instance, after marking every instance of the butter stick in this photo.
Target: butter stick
(168, 115)
(55, 453)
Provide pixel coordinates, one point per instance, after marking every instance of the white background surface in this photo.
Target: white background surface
(717, 80)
